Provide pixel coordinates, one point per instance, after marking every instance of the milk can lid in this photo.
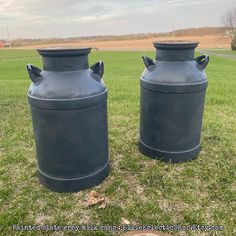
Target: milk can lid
(65, 51)
(175, 44)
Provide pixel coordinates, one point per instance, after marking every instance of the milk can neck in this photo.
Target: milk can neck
(65, 59)
(175, 51)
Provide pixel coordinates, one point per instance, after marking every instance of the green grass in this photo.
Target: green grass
(141, 190)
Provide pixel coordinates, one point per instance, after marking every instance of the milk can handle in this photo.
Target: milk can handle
(98, 70)
(34, 73)
(202, 61)
(149, 63)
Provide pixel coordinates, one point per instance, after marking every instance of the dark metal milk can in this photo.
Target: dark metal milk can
(68, 102)
(172, 101)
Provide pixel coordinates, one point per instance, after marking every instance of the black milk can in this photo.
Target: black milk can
(173, 90)
(68, 102)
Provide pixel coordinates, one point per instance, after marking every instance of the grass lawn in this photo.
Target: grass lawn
(139, 189)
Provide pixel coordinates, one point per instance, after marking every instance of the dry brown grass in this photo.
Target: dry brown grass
(142, 44)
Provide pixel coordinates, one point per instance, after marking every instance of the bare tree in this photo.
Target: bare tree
(229, 21)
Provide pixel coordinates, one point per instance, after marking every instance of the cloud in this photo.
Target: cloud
(65, 18)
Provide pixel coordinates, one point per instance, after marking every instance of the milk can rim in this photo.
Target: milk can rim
(64, 51)
(175, 44)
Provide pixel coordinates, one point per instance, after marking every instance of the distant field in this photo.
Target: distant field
(208, 37)
(141, 190)
(208, 41)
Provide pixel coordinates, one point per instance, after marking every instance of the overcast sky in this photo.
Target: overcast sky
(70, 18)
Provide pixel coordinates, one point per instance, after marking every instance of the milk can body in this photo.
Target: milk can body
(173, 90)
(68, 102)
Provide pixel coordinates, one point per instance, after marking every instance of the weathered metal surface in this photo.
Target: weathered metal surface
(172, 102)
(68, 103)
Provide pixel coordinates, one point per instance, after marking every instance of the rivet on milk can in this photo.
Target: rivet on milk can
(172, 102)
(68, 102)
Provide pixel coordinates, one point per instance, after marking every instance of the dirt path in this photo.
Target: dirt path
(218, 54)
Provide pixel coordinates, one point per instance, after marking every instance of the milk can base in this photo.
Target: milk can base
(173, 157)
(75, 184)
